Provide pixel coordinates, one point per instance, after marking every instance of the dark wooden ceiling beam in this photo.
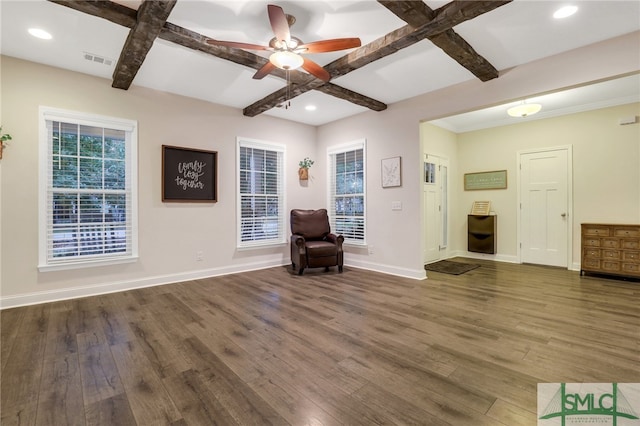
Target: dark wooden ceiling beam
(437, 28)
(151, 17)
(127, 17)
(417, 13)
(302, 81)
(443, 19)
(283, 95)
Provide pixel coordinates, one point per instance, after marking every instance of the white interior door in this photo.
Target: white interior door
(435, 207)
(545, 207)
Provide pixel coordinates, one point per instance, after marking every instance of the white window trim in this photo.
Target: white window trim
(45, 114)
(338, 149)
(270, 146)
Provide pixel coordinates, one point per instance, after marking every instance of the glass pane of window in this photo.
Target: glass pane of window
(90, 173)
(114, 144)
(91, 208)
(65, 138)
(114, 174)
(64, 172)
(115, 208)
(65, 208)
(91, 141)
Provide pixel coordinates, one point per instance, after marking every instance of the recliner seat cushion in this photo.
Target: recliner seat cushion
(321, 249)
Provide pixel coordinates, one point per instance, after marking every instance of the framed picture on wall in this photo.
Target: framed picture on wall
(391, 170)
(189, 175)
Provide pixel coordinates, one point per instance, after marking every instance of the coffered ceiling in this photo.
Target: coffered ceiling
(408, 47)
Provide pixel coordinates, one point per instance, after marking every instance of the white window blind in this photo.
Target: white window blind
(347, 191)
(88, 190)
(261, 215)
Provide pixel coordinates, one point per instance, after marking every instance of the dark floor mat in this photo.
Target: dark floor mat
(450, 267)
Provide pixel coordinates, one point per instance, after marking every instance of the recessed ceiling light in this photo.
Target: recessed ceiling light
(40, 33)
(565, 11)
(310, 108)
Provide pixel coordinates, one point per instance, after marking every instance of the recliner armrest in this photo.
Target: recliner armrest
(335, 239)
(298, 240)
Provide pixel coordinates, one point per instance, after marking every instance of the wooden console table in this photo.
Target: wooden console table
(611, 249)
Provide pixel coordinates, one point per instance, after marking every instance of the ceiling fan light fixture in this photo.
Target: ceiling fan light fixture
(286, 60)
(524, 110)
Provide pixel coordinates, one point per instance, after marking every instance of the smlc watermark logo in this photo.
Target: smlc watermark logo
(616, 404)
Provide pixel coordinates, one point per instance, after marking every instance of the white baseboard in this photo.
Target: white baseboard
(94, 290)
(416, 274)
(494, 257)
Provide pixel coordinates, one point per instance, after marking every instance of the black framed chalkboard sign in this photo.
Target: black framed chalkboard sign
(189, 175)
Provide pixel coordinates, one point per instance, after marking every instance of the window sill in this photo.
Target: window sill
(86, 264)
(261, 246)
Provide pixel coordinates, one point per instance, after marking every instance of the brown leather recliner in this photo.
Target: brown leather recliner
(312, 243)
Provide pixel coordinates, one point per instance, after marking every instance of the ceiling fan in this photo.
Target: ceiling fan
(288, 50)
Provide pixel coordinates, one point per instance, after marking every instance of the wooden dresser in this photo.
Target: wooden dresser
(611, 249)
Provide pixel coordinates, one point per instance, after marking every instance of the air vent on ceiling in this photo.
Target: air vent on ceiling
(97, 58)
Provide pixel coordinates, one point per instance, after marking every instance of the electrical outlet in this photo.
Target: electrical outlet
(371, 251)
(199, 256)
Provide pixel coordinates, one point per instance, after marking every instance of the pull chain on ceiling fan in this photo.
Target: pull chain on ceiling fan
(288, 50)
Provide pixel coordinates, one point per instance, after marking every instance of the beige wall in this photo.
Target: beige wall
(169, 233)
(397, 235)
(606, 170)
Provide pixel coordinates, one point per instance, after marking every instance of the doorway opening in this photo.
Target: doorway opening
(435, 201)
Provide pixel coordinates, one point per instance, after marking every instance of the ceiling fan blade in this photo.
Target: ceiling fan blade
(330, 45)
(265, 70)
(238, 45)
(279, 23)
(315, 69)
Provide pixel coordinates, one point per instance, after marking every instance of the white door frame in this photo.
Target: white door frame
(519, 154)
(443, 250)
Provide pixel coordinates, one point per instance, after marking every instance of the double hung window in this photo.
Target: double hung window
(347, 191)
(261, 215)
(87, 190)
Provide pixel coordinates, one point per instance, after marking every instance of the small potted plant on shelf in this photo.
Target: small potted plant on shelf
(3, 137)
(303, 171)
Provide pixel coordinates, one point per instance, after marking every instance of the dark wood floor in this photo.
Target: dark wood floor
(358, 348)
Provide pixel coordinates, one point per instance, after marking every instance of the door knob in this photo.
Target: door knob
(563, 215)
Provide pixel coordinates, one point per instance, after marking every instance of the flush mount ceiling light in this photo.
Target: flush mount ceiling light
(310, 108)
(40, 33)
(524, 110)
(286, 60)
(565, 12)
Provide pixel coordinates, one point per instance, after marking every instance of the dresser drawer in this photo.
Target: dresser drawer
(592, 253)
(591, 242)
(626, 232)
(610, 266)
(631, 244)
(611, 242)
(595, 230)
(633, 256)
(611, 254)
(591, 263)
(633, 268)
